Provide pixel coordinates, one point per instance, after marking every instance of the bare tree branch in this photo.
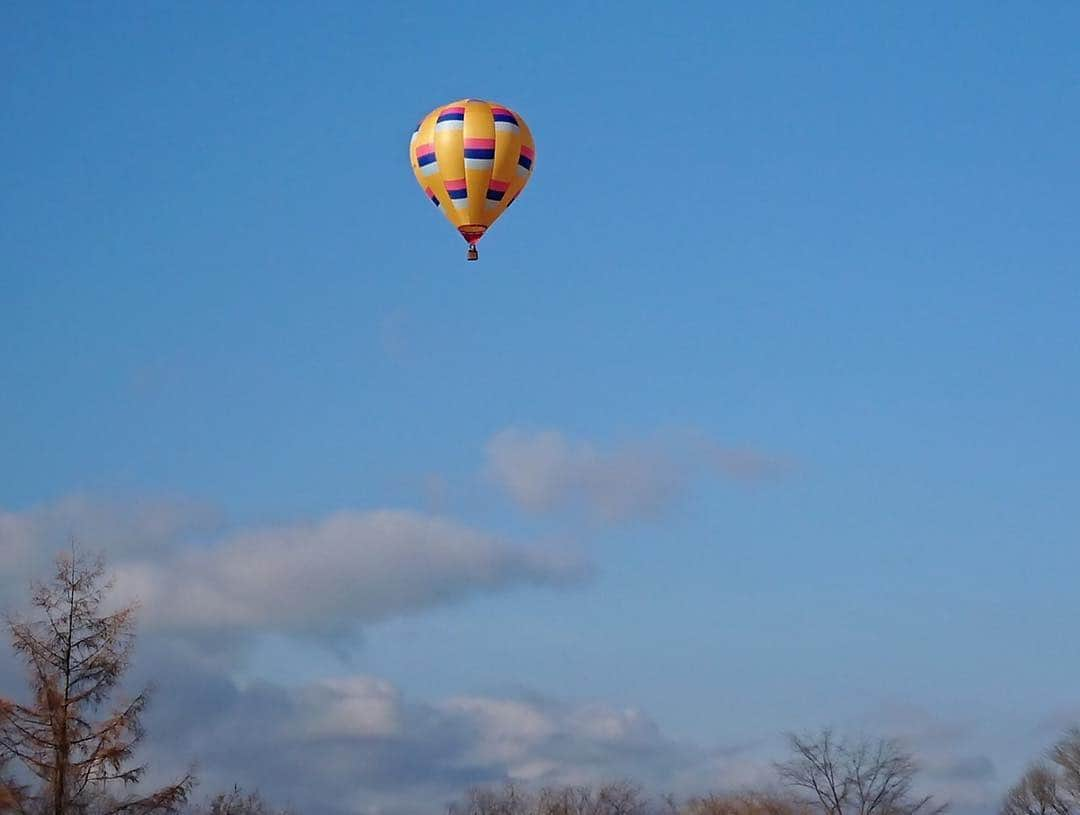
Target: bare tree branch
(853, 777)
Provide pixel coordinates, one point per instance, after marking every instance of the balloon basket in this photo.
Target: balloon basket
(472, 253)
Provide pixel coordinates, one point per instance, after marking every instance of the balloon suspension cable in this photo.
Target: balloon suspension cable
(472, 254)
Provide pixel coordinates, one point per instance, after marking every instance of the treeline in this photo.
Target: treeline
(66, 751)
(823, 774)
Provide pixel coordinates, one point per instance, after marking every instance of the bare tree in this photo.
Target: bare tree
(854, 777)
(237, 802)
(1066, 755)
(1049, 788)
(615, 798)
(76, 654)
(568, 800)
(1038, 792)
(507, 800)
(744, 803)
(621, 798)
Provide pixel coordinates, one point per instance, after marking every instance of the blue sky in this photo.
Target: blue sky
(840, 239)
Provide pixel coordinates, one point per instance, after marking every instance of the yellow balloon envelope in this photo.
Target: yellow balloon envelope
(472, 159)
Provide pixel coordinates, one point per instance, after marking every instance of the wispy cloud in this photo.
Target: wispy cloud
(545, 471)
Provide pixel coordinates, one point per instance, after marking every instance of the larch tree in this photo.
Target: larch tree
(74, 747)
(11, 793)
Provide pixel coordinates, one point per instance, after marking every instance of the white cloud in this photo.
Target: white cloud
(325, 576)
(505, 731)
(119, 527)
(115, 524)
(355, 744)
(346, 569)
(353, 706)
(395, 755)
(544, 471)
(16, 541)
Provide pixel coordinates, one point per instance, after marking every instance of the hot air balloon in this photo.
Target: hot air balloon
(472, 159)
